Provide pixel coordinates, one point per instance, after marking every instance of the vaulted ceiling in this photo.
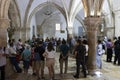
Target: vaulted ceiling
(69, 8)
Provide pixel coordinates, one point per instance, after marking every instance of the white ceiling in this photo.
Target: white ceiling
(70, 7)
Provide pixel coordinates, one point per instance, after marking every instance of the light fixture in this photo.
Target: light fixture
(48, 10)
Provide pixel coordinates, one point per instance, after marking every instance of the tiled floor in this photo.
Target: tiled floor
(108, 72)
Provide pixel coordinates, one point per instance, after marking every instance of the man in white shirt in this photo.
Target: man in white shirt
(12, 57)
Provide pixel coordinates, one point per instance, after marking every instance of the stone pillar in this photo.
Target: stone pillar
(4, 24)
(28, 33)
(25, 34)
(40, 30)
(16, 35)
(69, 32)
(92, 26)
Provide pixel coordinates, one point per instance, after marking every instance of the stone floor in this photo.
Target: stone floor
(108, 72)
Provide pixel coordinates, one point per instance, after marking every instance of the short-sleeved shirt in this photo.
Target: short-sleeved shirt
(26, 55)
(11, 51)
(64, 49)
(51, 54)
(81, 51)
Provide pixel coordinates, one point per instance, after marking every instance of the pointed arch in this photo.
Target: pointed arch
(42, 6)
(14, 9)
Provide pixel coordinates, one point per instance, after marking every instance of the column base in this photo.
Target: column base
(92, 72)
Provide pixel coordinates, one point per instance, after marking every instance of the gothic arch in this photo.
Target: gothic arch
(15, 20)
(81, 21)
(27, 12)
(42, 6)
(14, 14)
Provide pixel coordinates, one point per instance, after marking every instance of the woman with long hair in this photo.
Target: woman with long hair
(50, 59)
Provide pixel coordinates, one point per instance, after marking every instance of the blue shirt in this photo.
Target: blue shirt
(64, 49)
(26, 55)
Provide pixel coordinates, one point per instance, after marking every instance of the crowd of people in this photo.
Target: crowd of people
(37, 52)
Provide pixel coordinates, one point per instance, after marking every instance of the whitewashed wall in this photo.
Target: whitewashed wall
(48, 23)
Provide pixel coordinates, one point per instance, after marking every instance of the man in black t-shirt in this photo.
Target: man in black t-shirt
(80, 52)
(117, 51)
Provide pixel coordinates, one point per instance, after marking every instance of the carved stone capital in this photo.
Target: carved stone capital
(24, 29)
(3, 37)
(4, 23)
(70, 30)
(92, 23)
(18, 29)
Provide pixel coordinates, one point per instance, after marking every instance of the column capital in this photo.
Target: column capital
(24, 29)
(4, 23)
(17, 28)
(92, 23)
(69, 32)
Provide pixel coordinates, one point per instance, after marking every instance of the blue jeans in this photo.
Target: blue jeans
(15, 64)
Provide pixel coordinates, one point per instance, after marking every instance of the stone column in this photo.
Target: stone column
(28, 33)
(69, 32)
(92, 26)
(4, 24)
(25, 34)
(16, 35)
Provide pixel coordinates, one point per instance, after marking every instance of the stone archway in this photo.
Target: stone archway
(40, 7)
(81, 21)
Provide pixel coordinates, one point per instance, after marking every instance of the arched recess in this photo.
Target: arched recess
(15, 21)
(42, 6)
(39, 7)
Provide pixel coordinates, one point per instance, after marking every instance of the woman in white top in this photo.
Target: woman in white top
(99, 52)
(50, 59)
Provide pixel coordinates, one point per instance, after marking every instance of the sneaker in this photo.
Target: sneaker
(34, 74)
(75, 76)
